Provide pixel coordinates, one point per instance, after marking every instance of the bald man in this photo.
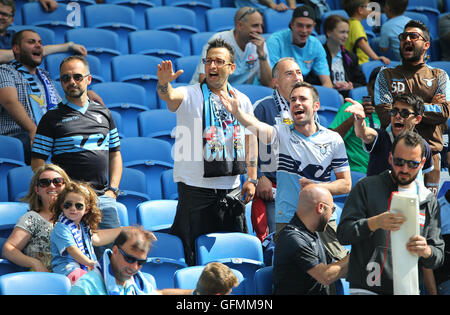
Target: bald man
(301, 265)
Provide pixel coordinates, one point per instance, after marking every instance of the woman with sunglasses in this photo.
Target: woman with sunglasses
(29, 243)
(76, 218)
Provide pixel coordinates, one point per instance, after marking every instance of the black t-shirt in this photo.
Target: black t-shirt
(298, 250)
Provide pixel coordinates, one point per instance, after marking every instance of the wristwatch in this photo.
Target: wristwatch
(115, 190)
(253, 181)
(263, 57)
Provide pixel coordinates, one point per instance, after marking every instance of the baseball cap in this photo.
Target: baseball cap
(304, 11)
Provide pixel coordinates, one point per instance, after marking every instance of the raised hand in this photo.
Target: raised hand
(356, 109)
(231, 104)
(165, 72)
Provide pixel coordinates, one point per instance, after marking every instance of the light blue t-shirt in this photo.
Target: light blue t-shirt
(312, 56)
(389, 34)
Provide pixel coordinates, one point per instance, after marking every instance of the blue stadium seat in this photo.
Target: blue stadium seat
(122, 211)
(236, 250)
(11, 156)
(329, 98)
(53, 62)
(157, 215)
(444, 65)
(358, 93)
(99, 42)
(368, 67)
(149, 155)
(60, 20)
(139, 7)
(198, 40)
(18, 180)
(165, 257)
(180, 21)
(47, 35)
(188, 64)
(10, 212)
(128, 99)
(133, 191)
(140, 70)
(198, 7)
(116, 18)
(263, 281)
(254, 92)
(340, 12)
(118, 122)
(34, 283)
(187, 279)
(7, 267)
(275, 21)
(445, 186)
(326, 115)
(220, 19)
(169, 188)
(356, 176)
(157, 123)
(431, 13)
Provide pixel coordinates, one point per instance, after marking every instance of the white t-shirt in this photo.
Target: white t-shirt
(337, 69)
(188, 147)
(247, 62)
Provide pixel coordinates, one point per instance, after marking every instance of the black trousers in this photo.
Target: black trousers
(195, 216)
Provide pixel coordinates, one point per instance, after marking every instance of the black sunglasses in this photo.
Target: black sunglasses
(412, 36)
(78, 205)
(404, 113)
(131, 259)
(45, 182)
(410, 163)
(77, 77)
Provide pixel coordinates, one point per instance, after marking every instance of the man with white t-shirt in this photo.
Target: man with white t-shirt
(211, 148)
(252, 59)
(307, 154)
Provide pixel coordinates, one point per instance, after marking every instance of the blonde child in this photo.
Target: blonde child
(357, 41)
(75, 233)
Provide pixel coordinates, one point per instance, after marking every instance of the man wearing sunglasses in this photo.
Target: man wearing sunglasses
(365, 221)
(118, 272)
(80, 135)
(414, 76)
(251, 50)
(406, 113)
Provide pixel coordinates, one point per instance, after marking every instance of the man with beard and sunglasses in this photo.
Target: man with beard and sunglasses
(80, 135)
(366, 221)
(415, 77)
(407, 111)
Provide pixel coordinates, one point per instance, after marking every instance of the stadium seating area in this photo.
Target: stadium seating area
(125, 40)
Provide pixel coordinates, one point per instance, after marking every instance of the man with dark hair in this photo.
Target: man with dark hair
(414, 76)
(365, 220)
(250, 47)
(118, 272)
(407, 111)
(211, 149)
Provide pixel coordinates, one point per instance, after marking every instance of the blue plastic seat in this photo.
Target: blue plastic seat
(254, 92)
(133, 191)
(236, 250)
(139, 7)
(169, 188)
(140, 70)
(275, 21)
(329, 98)
(198, 7)
(198, 41)
(10, 212)
(122, 211)
(99, 42)
(18, 180)
(157, 123)
(368, 67)
(326, 115)
(443, 189)
(11, 156)
(116, 18)
(60, 20)
(188, 64)
(149, 155)
(356, 176)
(187, 279)
(157, 215)
(128, 99)
(220, 19)
(165, 257)
(7, 267)
(444, 65)
(47, 35)
(428, 8)
(358, 93)
(178, 20)
(263, 281)
(34, 283)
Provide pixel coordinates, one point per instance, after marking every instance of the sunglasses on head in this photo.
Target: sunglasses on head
(131, 259)
(412, 36)
(45, 182)
(78, 205)
(249, 11)
(410, 163)
(77, 77)
(404, 113)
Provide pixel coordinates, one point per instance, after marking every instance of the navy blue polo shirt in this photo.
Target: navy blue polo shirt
(298, 250)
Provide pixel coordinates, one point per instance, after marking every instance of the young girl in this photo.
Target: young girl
(77, 216)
